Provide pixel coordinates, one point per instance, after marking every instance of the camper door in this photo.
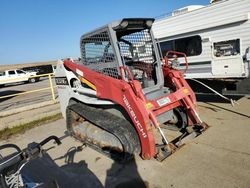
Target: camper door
(227, 59)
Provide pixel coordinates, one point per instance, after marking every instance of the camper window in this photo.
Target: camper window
(227, 48)
(191, 46)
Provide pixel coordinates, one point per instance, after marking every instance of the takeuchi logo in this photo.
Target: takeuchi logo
(134, 117)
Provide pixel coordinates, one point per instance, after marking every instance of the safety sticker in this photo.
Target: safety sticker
(163, 101)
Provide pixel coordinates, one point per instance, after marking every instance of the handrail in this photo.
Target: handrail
(176, 53)
(126, 70)
(51, 87)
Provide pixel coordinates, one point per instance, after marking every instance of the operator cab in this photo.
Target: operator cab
(137, 49)
(130, 43)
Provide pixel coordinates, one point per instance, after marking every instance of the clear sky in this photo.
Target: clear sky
(41, 30)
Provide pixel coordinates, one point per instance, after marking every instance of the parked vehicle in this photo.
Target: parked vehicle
(215, 39)
(14, 76)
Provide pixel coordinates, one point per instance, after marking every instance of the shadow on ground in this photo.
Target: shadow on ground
(216, 108)
(215, 98)
(11, 85)
(8, 92)
(124, 176)
(72, 174)
(78, 175)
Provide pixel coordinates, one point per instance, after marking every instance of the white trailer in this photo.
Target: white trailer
(216, 38)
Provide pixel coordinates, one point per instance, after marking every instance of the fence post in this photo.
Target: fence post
(52, 88)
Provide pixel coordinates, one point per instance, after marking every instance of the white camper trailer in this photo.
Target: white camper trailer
(215, 38)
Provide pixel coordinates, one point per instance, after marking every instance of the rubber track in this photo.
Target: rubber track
(118, 126)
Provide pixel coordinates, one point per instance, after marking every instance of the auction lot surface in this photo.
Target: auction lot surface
(218, 158)
(27, 99)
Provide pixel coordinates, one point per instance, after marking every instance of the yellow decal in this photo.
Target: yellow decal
(87, 83)
(149, 105)
(186, 91)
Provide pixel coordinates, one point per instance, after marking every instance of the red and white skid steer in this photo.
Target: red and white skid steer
(121, 99)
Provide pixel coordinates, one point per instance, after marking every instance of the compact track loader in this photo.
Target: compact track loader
(121, 98)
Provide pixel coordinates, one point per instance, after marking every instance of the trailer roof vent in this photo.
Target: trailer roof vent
(186, 9)
(214, 1)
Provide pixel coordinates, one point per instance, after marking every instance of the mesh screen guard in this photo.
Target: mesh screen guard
(138, 53)
(136, 48)
(98, 54)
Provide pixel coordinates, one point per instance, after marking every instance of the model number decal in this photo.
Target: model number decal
(163, 101)
(134, 117)
(61, 81)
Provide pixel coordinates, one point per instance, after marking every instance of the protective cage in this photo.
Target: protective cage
(133, 47)
(98, 54)
(137, 51)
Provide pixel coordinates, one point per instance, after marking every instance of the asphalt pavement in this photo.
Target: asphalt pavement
(27, 99)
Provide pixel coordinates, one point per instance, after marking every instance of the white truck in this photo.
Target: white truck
(14, 76)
